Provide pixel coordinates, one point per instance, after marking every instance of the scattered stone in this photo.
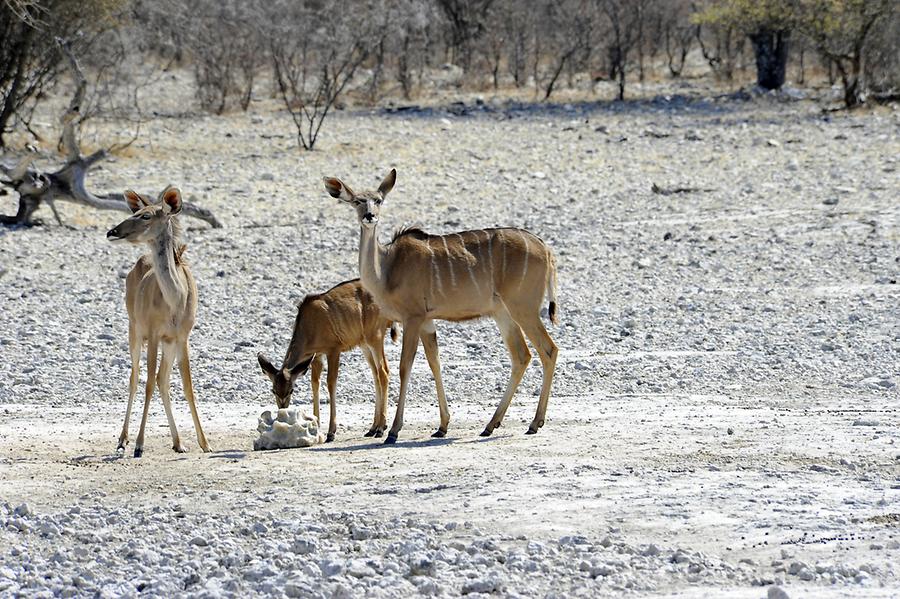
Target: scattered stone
(776, 592)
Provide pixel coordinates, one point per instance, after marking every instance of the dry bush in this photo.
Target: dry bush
(315, 51)
(30, 56)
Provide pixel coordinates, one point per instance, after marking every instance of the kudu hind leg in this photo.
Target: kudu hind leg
(162, 381)
(547, 352)
(148, 395)
(184, 368)
(134, 347)
(375, 367)
(407, 356)
(430, 345)
(519, 357)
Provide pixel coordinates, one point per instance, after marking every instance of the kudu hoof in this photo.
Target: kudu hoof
(379, 433)
(329, 437)
(179, 449)
(486, 432)
(390, 439)
(535, 425)
(370, 433)
(138, 452)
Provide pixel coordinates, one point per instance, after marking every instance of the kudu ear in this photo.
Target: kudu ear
(388, 183)
(338, 189)
(135, 201)
(267, 367)
(300, 369)
(171, 200)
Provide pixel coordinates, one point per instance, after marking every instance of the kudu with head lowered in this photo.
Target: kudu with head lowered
(161, 299)
(329, 324)
(503, 273)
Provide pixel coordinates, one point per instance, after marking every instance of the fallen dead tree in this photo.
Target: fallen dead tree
(67, 184)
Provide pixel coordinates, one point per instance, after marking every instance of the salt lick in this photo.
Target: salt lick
(287, 429)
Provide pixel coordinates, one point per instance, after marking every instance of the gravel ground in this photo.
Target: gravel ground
(724, 415)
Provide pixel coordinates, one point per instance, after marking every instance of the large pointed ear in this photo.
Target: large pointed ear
(300, 369)
(338, 189)
(135, 201)
(171, 200)
(267, 367)
(388, 184)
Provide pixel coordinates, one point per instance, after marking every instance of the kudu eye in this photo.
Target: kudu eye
(145, 216)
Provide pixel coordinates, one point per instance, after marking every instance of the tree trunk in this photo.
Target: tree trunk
(771, 50)
(850, 81)
(621, 95)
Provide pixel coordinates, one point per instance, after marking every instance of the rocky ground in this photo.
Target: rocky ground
(725, 411)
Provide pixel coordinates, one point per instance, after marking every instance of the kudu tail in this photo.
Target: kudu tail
(551, 287)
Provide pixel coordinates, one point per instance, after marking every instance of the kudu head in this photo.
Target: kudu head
(282, 379)
(367, 203)
(150, 219)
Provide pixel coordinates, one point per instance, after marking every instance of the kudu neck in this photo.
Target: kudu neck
(168, 273)
(370, 255)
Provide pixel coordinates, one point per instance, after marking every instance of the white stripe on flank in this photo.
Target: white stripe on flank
(525, 264)
(469, 264)
(480, 262)
(449, 262)
(503, 262)
(435, 273)
(490, 240)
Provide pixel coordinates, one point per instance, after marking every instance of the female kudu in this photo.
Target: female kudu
(329, 324)
(418, 277)
(161, 298)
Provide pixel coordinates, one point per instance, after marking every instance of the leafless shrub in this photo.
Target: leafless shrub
(572, 23)
(466, 20)
(226, 47)
(313, 63)
(623, 22)
(30, 59)
(678, 33)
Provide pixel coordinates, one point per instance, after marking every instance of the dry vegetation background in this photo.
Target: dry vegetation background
(318, 55)
(724, 419)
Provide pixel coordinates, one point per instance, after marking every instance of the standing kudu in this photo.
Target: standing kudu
(161, 298)
(329, 324)
(418, 277)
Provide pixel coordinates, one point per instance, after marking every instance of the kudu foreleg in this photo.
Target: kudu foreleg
(148, 395)
(134, 347)
(334, 364)
(407, 356)
(162, 381)
(315, 375)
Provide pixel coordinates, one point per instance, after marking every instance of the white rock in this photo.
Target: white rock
(289, 428)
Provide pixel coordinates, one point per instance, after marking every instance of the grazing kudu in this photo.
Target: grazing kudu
(161, 298)
(329, 324)
(418, 277)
